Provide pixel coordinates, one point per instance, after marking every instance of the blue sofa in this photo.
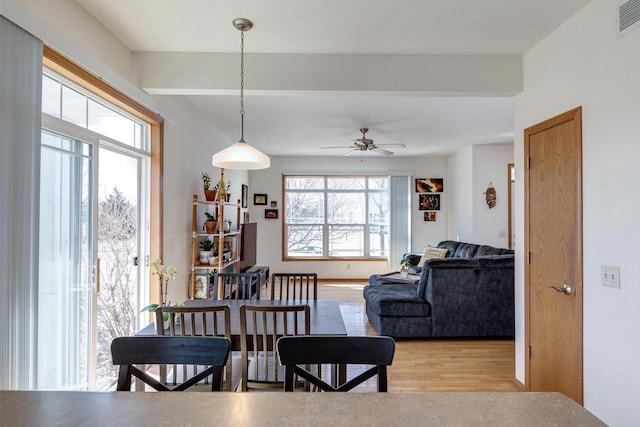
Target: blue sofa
(469, 293)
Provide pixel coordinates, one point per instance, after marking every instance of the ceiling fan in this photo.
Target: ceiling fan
(366, 144)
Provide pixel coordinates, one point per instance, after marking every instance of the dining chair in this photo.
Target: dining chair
(162, 350)
(260, 328)
(199, 321)
(335, 350)
(235, 286)
(294, 286)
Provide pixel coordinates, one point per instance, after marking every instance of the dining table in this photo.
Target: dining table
(97, 409)
(325, 316)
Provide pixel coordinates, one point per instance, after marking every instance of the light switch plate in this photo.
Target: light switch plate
(610, 276)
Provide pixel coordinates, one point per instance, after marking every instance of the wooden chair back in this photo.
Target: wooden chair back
(230, 286)
(196, 321)
(158, 350)
(294, 286)
(260, 328)
(335, 350)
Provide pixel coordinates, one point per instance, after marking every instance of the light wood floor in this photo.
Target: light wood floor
(430, 364)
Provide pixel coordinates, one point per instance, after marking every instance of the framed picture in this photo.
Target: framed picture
(245, 195)
(271, 213)
(202, 285)
(429, 202)
(429, 185)
(274, 204)
(259, 199)
(429, 216)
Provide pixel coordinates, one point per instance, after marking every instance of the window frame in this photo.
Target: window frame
(326, 224)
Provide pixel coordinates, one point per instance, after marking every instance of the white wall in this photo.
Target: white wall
(269, 181)
(582, 63)
(469, 172)
(490, 166)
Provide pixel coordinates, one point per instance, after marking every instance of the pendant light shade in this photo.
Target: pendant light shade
(241, 155)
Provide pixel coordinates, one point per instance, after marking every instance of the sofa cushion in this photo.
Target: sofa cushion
(431, 252)
(396, 300)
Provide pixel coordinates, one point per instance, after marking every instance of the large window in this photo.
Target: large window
(336, 216)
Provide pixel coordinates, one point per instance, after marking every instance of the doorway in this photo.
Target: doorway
(553, 255)
(90, 271)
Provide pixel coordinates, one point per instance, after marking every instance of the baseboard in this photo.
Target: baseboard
(519, 386)
(332, 280)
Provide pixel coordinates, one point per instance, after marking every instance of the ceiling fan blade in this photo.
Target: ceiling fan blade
(392, 145)
(355, 150)
(381, 151)
(338, 146)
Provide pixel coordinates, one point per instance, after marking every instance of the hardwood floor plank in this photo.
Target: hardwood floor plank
(429, 364)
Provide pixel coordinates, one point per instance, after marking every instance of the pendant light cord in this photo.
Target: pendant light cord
(242, 85)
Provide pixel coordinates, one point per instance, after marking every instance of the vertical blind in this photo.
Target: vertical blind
(20, 105)
(400, 218)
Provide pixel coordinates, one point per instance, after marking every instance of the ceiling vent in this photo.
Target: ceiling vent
(628, 16)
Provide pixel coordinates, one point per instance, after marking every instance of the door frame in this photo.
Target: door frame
(574, 115)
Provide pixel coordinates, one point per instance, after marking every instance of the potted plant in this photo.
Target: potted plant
(206, 251)
(164, 273)
(404, 268)
(209, 194)
(224, 189)
(210, 223)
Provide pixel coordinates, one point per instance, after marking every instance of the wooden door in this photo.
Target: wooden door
(553, 241)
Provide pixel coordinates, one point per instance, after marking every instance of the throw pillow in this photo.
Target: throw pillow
(431, 252)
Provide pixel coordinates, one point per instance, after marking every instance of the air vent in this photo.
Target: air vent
(628, 16)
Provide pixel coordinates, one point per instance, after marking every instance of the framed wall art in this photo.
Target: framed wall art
(429, 202)
(429, 185)
(271, 213)
(429, 216)
(274, 204)
(259, 199)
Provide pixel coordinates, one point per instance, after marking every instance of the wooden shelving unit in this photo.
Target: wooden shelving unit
(233, 237)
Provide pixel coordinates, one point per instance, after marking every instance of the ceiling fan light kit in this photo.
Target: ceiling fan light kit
(365, 144)
(241, 155)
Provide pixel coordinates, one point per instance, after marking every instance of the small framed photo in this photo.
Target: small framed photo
(429, 216)
(429, 202)
(259, 199)
(429, 185)
(245, 195)
(274, 204)
(202, 286)
(271, 213)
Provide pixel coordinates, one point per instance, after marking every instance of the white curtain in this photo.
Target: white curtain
(400, 217)
(20, 95)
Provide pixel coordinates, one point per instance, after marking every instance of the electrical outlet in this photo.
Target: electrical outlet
(610, 276)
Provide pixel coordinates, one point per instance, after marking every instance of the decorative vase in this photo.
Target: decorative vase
(210, 227)
(210, 195)
(404, 274)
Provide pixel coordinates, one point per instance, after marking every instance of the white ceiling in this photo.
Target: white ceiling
(299, 122)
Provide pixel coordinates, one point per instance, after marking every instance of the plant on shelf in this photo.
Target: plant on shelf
(210, 223)
(206, 251)
(209, 194)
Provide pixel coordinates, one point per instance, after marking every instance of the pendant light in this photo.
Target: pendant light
(241, 155)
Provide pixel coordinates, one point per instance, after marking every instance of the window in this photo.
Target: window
(336, 216)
